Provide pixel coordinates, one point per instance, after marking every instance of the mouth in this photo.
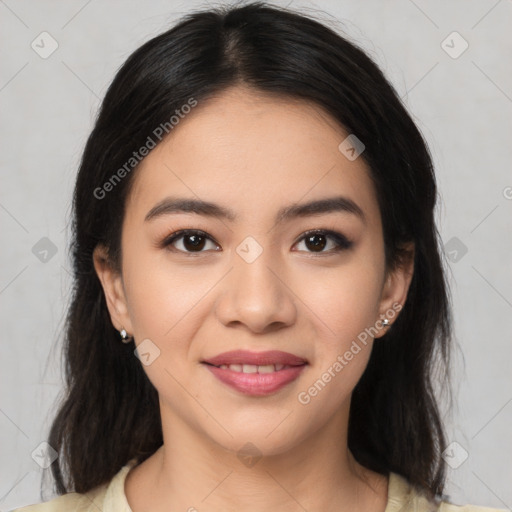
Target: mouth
(253, 368)
(256, 373)
(245, 360)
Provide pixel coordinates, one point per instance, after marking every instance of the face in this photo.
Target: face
(252, 274)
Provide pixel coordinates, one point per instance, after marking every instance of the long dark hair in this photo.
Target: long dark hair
(110, 411)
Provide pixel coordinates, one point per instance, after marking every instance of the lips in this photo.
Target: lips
(256, 373)
(245, 357)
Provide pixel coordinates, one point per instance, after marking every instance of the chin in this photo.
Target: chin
(257, 442)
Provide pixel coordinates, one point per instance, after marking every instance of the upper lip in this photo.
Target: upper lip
(256, 358)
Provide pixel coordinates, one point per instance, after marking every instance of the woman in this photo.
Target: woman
(259, 301)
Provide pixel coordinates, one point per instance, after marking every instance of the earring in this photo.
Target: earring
(385, 322)
(124, 336)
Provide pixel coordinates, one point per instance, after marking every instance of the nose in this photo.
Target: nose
(257, 296)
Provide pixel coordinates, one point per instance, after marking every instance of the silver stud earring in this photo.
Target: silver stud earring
(124, 336)
(385, 322)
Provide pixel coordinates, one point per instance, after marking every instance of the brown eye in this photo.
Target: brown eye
(194, 242)
(317, 241)
(189, 241)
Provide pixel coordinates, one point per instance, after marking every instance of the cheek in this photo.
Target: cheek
(167, 308)
(349, 308)
(160, 296)
(344, 301)
(345, 306)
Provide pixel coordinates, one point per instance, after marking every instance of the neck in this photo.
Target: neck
(190, 472)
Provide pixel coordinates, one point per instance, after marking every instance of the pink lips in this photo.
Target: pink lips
(257, 384)
(257, 358)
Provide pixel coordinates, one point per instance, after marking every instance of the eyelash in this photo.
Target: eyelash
(342, 241)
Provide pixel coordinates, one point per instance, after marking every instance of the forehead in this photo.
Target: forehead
(252, 151)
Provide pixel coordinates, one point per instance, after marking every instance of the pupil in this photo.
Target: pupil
(197, 242)
(316, 245)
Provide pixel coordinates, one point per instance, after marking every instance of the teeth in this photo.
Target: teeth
(252, 368)
(268, 368)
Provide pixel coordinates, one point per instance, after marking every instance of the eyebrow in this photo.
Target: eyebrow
(319, 207)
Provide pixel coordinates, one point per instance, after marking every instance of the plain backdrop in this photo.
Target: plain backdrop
(450, 62)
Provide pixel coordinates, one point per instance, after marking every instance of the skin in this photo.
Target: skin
(254, 154)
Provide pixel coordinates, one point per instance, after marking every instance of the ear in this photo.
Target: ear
(394, 291)
(113, 288)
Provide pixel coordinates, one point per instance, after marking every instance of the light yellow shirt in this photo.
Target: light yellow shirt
(110, 497)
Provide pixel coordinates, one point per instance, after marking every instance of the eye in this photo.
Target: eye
(190, 240)
(317, 240)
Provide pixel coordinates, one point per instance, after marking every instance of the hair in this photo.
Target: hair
(109, 412)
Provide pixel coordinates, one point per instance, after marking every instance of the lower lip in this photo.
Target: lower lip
(257, 384)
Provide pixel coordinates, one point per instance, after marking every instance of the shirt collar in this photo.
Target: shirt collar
(400, 493)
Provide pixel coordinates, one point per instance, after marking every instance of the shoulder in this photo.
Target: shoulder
(449, 507)
(71, 502)
(109, 497)
(402, 497)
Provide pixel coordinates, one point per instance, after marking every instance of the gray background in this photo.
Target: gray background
(463, 106)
